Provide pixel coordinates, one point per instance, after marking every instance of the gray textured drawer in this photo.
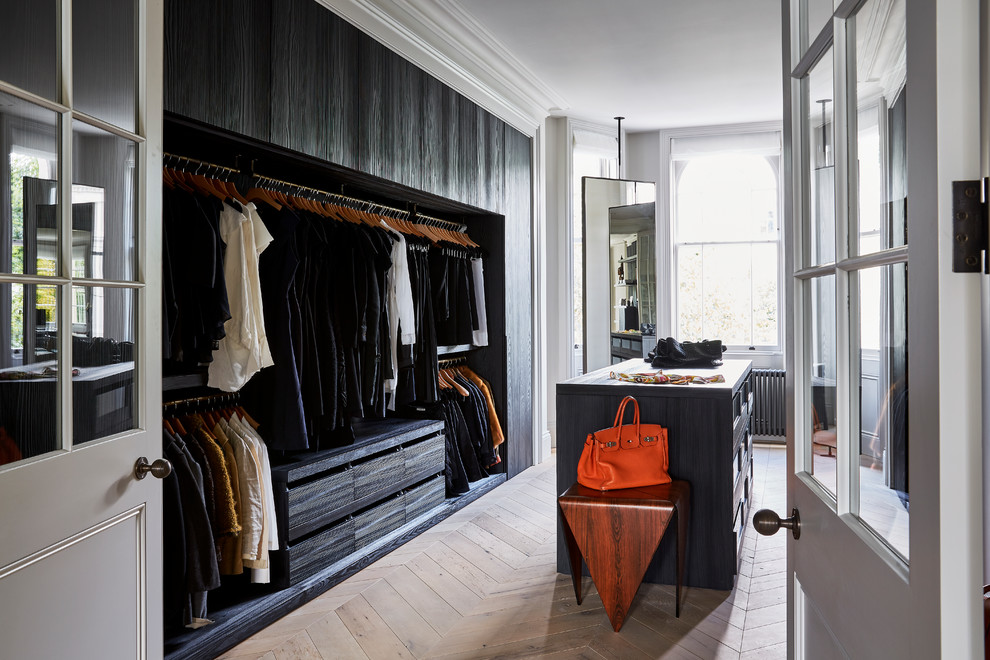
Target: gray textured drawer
(312, 503)
(379, 520)
(424, 497)
(425, 457)
(320, 550)
(379, 473)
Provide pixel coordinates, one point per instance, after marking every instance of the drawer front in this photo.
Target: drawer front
(738, 527)
(742, 458)
(737, 461)
(424, 497)
(317, 552)
(739, 490)
(425, 457)
(315, 502)
(379, 520)
(379, 473)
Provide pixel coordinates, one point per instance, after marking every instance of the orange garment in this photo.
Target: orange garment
(497, 436)
(227, 521)
(231, 562)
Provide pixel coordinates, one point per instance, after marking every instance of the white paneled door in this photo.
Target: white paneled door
(80, 310)
(882, 114)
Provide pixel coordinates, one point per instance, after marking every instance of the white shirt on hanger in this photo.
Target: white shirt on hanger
(244, 350)
(480, 334)
(400, 308)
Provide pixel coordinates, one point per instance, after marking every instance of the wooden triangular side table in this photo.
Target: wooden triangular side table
(617, 532)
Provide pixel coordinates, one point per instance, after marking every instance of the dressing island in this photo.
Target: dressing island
(710, 444)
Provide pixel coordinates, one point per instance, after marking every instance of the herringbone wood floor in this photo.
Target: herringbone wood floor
(483, 584)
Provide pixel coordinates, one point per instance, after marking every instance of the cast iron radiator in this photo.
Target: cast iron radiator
(768, 402)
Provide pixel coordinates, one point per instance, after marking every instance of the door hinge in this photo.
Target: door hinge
(969, 227)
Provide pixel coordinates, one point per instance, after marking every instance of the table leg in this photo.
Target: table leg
(573, 554)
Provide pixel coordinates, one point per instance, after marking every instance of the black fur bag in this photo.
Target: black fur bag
(672, 354)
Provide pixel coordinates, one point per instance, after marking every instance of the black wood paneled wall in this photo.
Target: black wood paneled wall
(294, 74)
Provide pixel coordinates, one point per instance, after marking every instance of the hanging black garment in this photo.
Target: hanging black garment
(324, 291)
(200, 306)
(173, 551)
(277, 268)
(201, 570)
(455, 477)
(452, 294)
(475, 410)
(316, 360)
(199, 455)
(351, 309)
(462, 435)
(376, 349)
(425, 367)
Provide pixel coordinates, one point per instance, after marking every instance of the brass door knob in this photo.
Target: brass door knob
(160, 469)
(767, 522)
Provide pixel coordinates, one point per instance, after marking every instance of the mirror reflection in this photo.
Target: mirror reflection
(37, 310)
(620, 292)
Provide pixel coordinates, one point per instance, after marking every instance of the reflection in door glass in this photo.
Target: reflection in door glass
(822, 369)
(29, 226)
(29, 34)
(104, 326)
(28, 366)
(881, 130)
(883, 428)
(820, 249)
(104, 41)
(104, 204)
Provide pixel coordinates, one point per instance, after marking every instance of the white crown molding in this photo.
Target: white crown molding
(444, 40)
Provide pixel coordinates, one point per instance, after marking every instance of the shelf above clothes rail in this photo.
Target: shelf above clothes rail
(211, 170)
(243, 156)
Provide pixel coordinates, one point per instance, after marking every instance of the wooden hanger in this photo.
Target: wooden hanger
(205, 186)
(177, 425)
(261, 195)
(247, 418)
(450, 379)
(232, 191)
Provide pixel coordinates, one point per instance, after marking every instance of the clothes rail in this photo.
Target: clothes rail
(450, 362)
(215, 400)
(194, 161)
(413, 216)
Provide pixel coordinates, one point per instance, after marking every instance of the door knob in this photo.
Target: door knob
(160, 469)
(767, 522)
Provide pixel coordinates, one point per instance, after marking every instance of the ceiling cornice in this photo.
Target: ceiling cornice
(443, 39)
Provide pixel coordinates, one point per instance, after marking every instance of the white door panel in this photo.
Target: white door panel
(813, 630)
(80, 264)
(890, 555)
(90, 587)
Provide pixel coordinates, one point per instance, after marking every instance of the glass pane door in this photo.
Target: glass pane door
(853, 272)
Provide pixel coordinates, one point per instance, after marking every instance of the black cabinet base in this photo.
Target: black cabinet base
(233, 624)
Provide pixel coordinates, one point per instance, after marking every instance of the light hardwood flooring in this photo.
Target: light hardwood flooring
(483, 584)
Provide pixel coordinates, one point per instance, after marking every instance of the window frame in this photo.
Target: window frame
(762, 355)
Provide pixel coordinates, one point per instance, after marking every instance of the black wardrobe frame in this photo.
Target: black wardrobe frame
(248, 610)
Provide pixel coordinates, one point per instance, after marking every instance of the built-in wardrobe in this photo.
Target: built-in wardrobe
(286, 89)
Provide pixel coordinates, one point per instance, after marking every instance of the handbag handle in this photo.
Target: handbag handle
(622, 411)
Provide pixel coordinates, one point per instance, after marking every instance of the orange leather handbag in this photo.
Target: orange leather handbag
(625, 456)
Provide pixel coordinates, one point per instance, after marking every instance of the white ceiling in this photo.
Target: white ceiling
(659, 63)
